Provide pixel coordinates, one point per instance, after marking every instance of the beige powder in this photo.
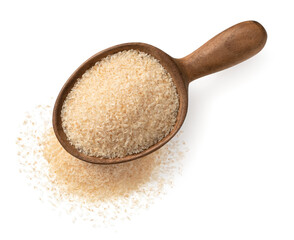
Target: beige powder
(93, 182)
(98, 194)
(124, 104)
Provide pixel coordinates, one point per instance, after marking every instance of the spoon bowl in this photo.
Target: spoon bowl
(226, 49)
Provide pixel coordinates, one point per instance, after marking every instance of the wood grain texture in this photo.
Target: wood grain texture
(228, 48)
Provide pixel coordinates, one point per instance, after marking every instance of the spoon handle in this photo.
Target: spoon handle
(230, 47)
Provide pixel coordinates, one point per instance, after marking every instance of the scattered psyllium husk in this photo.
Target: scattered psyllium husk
(98, 194)
(124, 104)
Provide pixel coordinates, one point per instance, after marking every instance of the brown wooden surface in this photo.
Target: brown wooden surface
(230, 47)
(167, 62)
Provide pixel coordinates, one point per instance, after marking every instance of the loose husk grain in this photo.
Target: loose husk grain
(100, 195)
(124, 104)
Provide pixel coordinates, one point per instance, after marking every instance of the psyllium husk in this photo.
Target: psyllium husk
(124, 104)
(98, 194)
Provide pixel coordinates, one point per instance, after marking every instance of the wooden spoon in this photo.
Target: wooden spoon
(228, 48)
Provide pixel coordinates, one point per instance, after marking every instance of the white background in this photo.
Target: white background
(238, 178)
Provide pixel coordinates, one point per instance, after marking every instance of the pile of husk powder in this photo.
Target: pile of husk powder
(99, 194)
